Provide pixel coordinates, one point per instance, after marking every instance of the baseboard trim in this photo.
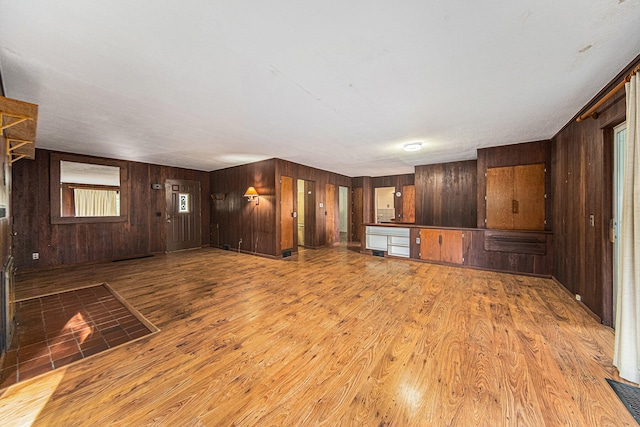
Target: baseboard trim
(580, 303)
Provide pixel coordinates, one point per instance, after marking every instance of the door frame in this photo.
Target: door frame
(197, 210)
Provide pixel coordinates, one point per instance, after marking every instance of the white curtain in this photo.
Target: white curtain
(626, 356)
(95, 202)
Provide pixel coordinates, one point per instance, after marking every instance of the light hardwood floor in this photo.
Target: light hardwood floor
(330, 337)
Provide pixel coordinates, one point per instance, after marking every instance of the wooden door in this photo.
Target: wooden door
(528, 192)
(408, 203)
(430, 244)
(183, 214)
(330, 213)
(451, 248)
(500, 201)
(356, 215)
(287, 223)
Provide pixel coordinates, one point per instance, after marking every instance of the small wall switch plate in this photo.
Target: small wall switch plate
(417, 240)
(35, 255)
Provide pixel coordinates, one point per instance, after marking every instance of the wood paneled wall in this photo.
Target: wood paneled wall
(582, 186)
(362, 200)
(62, 244)
(232, 219)
(446, 194)
(235, 218)
(321, 178)
(528, 153)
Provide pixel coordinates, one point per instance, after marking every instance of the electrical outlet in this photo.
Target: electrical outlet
(36, 255)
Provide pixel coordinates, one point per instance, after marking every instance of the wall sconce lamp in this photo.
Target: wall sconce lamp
(251, 194)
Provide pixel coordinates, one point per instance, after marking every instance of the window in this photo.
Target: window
(86, 189)
(183, 206)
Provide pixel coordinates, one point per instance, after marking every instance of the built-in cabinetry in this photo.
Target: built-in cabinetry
(441, 245)
(526, 252)
(515, 197)
(392, 240)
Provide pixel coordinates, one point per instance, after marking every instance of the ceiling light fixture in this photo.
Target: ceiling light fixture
(413, 146)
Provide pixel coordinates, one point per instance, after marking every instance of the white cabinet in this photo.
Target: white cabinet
(393, 240)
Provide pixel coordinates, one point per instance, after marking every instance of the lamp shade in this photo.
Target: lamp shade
(251, 192)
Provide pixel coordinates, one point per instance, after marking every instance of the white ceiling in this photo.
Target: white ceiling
(338, 85)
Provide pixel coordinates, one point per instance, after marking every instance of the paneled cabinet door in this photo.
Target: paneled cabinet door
(441, 245)
(430, 244)
(451, 248)
(515, 197)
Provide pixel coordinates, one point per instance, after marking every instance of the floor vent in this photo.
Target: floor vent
(378, 253)
(629, 395)
(286, 253)
(226, 247)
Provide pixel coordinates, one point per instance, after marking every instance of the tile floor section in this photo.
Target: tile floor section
(55, 330)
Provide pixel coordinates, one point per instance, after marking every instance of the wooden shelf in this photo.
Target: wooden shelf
(18, 122)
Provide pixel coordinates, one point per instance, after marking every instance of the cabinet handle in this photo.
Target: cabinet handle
(440, 239)
(514, 206)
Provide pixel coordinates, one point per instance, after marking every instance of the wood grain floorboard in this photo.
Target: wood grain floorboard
(329, 337)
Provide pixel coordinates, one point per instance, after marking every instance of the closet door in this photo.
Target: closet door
(515, 197)
(528, 191)
(287, 223)
(500, 198)
(408, 203)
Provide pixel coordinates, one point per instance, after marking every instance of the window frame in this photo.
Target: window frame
(55, 188)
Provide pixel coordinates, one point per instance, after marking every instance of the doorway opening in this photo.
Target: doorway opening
(343, 209)
(301, 212)
(385, 204)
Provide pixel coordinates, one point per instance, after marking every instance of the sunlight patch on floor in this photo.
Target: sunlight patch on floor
(23, 402)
